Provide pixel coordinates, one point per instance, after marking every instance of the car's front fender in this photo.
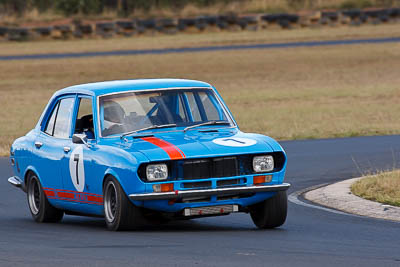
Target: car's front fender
(122, 165)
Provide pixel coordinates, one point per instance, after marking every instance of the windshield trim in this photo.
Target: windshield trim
(167, 130)
(149, 128)
(216, 95)
(206, 123)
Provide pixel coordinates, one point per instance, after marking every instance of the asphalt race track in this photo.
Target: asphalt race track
(310, 237)
(201, 49)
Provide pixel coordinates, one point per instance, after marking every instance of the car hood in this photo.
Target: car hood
(175, 145)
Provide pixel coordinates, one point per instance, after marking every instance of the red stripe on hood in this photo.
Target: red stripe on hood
(172, 151)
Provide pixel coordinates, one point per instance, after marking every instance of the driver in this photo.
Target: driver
(114, 118)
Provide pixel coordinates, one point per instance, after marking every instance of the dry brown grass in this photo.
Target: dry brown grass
(285, 93)
(190, 40)
(291, 5)
(383, 188)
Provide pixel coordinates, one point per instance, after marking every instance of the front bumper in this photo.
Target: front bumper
(210, 192)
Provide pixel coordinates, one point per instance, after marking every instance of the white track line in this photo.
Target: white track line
(294, 198)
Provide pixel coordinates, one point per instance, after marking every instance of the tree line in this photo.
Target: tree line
(127, 7)
(71, 7)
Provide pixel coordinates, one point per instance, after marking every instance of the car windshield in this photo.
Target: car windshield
(135, 111)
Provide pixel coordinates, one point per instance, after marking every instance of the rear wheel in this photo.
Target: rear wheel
(119, 212)
(271, 212)
(41, 209)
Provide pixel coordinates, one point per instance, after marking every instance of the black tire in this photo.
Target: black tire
(41, 210)
(271, 212)
(119, 213)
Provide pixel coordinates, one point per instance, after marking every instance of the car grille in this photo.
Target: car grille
(207, 168)
(206, 184)
(218, 167)
(231, 182)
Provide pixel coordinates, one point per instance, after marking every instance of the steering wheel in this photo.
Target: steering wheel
(113, 129)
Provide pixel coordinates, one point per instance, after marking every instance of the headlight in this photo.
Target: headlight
(156, 172)
(263, 163)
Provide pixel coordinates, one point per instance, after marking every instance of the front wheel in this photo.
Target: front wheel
(119, 212)
(41, 209)
(271, 212)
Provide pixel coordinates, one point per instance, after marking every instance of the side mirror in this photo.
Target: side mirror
(80, 139)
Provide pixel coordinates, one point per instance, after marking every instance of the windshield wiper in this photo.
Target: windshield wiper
(206, 123)
(149, 128)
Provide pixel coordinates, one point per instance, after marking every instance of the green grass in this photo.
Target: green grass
(383, 188)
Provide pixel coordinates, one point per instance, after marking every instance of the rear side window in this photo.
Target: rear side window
(51, 122)
(59, 124)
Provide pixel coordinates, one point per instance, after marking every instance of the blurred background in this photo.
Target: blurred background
(316, 89)
(32, 9)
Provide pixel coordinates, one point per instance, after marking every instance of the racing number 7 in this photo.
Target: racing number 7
(76, 159)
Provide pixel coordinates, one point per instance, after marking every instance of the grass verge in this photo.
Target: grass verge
(195, 40)
(383, 188)
(296, 93)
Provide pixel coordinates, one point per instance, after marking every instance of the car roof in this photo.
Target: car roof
(101, 88)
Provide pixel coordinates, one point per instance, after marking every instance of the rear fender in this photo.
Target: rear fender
(28, 170)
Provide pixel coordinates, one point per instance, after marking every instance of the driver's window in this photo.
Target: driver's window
(84, 119)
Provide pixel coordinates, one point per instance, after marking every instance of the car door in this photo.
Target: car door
(78, 167)
(50, 142)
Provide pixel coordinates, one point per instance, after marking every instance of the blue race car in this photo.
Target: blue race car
(141, 151)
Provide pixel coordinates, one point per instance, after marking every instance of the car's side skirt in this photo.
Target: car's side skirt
(73, 196)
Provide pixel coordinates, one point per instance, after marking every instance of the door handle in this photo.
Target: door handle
(38, 144)
(67, 149)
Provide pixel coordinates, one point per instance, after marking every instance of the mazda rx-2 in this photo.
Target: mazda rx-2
(145, 151)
